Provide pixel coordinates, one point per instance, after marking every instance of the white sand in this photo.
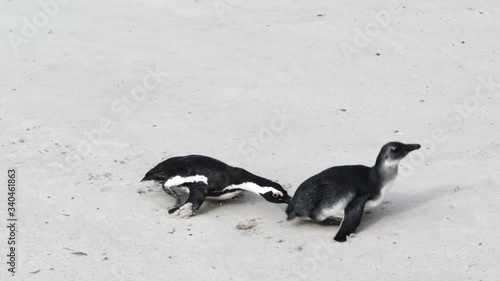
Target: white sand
(265, 89)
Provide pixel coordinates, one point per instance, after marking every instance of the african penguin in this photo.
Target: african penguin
(340, 194)
(206, 177)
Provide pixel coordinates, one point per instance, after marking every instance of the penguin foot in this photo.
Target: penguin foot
(331, 221)
(167, 190)
(185, 211)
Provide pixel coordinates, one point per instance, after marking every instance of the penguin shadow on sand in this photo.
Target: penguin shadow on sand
(398, 203)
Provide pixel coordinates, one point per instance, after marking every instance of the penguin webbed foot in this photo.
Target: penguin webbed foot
(331, 221)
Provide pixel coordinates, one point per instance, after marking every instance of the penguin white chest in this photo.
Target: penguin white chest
(335, 211)
(380, 198)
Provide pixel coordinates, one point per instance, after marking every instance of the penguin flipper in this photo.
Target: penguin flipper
(352, 218)
(197, 194)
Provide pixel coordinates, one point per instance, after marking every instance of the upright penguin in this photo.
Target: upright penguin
(206, 177)
(340, 194)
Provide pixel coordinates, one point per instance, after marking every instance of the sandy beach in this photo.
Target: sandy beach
(94, 94)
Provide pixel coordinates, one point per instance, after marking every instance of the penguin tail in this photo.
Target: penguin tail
(290, 211)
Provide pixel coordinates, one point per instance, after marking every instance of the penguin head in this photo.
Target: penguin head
(393, 152)
(277, 195)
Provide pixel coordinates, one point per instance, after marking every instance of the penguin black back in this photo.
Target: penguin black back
(185, 166)
(341, 193)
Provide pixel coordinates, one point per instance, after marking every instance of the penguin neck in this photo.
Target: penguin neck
(262, 185)
(385, 170)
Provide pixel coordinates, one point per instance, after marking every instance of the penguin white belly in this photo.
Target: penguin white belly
(225, 196)
(336, 210)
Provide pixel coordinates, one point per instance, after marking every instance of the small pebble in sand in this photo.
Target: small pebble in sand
(398, 132)
(247, 224)
(299, 248)
(378, 54)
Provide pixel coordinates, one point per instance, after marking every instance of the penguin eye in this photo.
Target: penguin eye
(396, 149)
(277, 194)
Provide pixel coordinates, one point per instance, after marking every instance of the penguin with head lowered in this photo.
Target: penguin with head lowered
(341, 194)
(205, 177)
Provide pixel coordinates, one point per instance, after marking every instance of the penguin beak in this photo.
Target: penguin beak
(287, 199)
(411, 147)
